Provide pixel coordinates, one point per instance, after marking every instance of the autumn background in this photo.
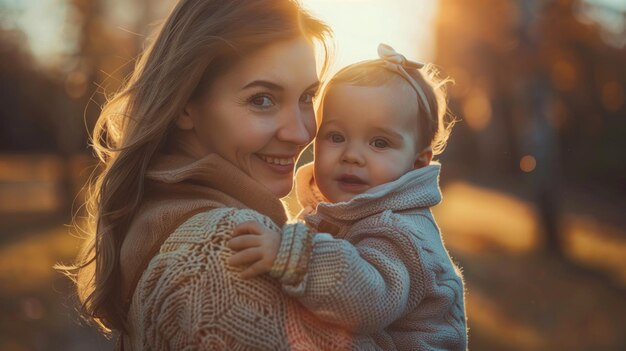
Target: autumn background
(534, 176)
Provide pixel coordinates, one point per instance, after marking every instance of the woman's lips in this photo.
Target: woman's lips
(351, 183)
(278, 163)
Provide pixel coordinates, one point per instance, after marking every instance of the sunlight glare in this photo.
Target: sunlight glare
(360, 25)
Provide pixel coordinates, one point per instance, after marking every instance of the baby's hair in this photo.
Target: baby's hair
(434, 129)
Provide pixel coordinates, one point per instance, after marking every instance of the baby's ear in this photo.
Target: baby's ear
(423, 158)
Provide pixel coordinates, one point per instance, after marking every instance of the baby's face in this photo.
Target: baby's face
(367, 137)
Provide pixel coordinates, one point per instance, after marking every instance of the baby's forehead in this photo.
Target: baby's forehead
(365, 112)
(392, 102)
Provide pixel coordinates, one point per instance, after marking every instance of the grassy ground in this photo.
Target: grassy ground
(38, 311)
(520, 297)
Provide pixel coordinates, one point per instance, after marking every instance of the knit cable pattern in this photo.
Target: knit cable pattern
(190, 299)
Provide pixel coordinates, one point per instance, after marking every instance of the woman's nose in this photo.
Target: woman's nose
(297, 127)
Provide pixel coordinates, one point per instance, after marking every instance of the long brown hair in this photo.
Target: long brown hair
(199, 40)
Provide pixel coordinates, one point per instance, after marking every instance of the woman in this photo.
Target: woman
(204, 136)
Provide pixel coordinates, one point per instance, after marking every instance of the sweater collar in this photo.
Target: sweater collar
(307, 192)
(416, 189)
(213, 171)
(188, 166)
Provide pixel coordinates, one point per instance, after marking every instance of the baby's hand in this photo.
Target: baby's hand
(257, 248)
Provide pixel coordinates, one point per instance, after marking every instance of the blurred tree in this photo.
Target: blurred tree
(51, 108)
(541, 94)
(26, 97)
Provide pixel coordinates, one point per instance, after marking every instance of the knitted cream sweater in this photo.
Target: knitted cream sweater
(188, 298)
(384, 272)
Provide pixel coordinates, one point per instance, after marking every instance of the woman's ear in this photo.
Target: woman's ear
(185, 120)
(423, 158)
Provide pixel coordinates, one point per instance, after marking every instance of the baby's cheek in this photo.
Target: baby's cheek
(323, 174)
(329, 191)
(387, 170)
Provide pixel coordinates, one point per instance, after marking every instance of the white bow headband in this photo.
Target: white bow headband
(397, 63)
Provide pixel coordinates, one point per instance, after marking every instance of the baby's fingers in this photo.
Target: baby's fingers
(243, 242)
(245, 257)
(249, 227)
(256, 269)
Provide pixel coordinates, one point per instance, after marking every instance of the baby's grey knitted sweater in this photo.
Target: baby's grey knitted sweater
(377, 265)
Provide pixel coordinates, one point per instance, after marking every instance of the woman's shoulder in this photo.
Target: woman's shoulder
(190, 276)
(196, 250)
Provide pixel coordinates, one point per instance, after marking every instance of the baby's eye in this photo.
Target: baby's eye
(336, 138)
(380, 143)
(261, 101)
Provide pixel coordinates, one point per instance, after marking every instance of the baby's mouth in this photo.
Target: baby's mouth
(349, 178)
(351, 183)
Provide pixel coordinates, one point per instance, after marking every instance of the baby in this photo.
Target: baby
(370, 257)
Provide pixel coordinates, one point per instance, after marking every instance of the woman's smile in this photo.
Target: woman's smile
(281, 164)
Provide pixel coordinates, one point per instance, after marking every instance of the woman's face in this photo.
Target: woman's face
(259, 115)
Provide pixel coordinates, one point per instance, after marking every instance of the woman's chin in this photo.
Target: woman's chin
(279, 181)
(277, 186)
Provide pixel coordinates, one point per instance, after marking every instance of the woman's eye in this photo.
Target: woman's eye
(261, 101)
(380, 143)
(307, 98)
(336, 138)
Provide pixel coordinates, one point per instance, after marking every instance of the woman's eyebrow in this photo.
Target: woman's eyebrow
(276, 87)
(265, 84)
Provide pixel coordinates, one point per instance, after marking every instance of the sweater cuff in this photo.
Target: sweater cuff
(293, 255)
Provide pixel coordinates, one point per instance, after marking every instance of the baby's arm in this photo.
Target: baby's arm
(362, 287)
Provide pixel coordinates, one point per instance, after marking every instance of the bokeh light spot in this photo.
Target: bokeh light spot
(612, 96)
(564, 75)
(477, 109)
(76, 84)
(528, 163)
